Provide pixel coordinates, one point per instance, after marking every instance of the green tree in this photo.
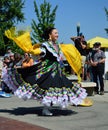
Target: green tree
(106, 11)
(45, 18)
(10, 14)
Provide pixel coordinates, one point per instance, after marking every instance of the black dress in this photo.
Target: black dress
(46, 81)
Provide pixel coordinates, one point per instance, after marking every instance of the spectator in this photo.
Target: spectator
(97, 62)
(11, 56)
(81, 45)
(6, 62)
(4, 75)
(8, 52)
(17, 60)
(28, 60)
(89, 67)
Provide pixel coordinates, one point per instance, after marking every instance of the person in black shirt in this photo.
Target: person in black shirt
(81, 45)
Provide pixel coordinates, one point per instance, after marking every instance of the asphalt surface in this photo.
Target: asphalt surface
(16, 114)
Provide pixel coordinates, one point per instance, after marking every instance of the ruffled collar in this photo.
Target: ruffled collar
(50, 48)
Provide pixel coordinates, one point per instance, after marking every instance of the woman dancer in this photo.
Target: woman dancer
(46, 81)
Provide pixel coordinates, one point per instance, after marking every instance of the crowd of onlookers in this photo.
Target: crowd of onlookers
(16, 60)
(13, 60)
(93, 62)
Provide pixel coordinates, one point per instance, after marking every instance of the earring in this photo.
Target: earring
(50, 39)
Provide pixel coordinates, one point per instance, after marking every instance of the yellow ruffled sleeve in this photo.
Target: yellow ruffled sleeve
(24, 42)
(73, 57)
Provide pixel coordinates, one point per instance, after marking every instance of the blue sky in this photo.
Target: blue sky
(89, 13)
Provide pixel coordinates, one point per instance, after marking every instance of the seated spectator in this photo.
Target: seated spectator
(10, 61)
(17, 60)
(6, 62)
(28, 60)
(8, 52)
(4, 75)
(11, 56)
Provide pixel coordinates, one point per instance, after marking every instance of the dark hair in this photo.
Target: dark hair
(27, 54)
(46, 33)
(8, 48)
(84, 42)
(17, 56)
(97, 44)
(5, 57)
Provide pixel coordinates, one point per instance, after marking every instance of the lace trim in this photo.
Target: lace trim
(52, 50)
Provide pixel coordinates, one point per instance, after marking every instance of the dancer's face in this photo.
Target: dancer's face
(54, 35)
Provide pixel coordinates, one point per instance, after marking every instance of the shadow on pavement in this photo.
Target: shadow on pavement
(38, 110)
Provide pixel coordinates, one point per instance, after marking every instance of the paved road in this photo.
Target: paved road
(75, 118)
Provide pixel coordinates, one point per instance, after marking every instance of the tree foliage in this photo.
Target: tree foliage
(106, 10)
(45, 18)
(10, 14)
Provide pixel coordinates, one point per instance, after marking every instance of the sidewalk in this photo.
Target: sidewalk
(10, 124)
(16, 114)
